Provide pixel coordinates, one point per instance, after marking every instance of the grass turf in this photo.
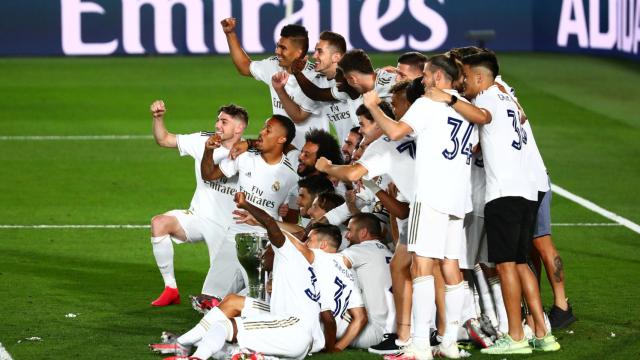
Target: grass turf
(584, 115)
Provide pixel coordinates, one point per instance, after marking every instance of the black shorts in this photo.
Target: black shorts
(509, 224)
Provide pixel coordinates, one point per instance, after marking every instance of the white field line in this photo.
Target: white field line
(84, 137)
(595, 208)
(75, 137)
(141, 226)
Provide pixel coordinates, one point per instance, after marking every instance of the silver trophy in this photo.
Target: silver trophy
(250, 247)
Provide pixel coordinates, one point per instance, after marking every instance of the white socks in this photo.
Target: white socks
(454, 301)
(469, 307)
(424, 296)
(488, 305)
(496, 289)
(212, 341)
(163, 252)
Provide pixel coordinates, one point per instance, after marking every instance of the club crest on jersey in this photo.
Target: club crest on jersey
(275, 186)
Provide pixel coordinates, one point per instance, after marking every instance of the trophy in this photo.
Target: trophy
(250, 247)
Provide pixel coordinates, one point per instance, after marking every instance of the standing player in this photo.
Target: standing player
(410, 66)
(209, 214)
(511, 197)
(286, 97)
(444, 140)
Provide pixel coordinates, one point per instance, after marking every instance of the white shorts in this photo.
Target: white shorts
(254, 307)
(275, 335)
(434, 234)
(475, 244)
(198, 228)
(372, 334)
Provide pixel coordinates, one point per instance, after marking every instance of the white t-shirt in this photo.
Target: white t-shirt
(295, 289)
(337, 284)
(263, 70)
(444, 139)
(267, 186)
(396, 159)
(370, 261)
(508, 172)
(212, 200)
(535, 159)
(340, 114)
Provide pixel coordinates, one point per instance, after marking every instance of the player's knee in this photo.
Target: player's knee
(161, 225)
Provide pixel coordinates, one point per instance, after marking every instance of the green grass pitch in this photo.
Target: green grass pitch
(584, 112)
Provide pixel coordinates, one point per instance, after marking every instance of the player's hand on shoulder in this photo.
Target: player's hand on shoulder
(158, 109)
(213, 142)
(228, 25)
(371, 99)
(323, 164)
(436, 94)
(298, 65)
(390, 69)
(238, 148)
(279, 79)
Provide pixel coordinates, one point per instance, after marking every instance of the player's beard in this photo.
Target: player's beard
(305, 171)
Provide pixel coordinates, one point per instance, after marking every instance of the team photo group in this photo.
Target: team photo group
(403, 210)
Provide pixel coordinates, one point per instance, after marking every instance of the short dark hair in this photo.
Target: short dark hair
(329, 231)
(485, 59)
(298, 34)
(316, 184)
(413, 59)
(327, 145)
(335, 40)
(329, 200)
(400, 87)
(368, 221)
(462, 52)
(356, 60)
(288, 125)
(384, 106)
(415, 90)
(448, 63)
(235, 111)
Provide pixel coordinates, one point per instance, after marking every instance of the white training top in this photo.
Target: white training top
(212, 200)
(444, 139)
(505, 160)
(263, 70)
(370, 261)
(396, 159)
(337, 285)
(295, 288)
(535, 159)
(384, 81)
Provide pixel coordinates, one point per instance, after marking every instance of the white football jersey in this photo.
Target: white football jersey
(396, 159)
(336, 283)
(535, 159)
(370, 261)
(478, 184)
(340, 114)
(384, 81)
(263, 70)
(212, 199)
(267, 186)
(295, 288)
(503, 148)
(444, 140)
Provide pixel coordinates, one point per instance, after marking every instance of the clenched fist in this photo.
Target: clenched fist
(158, 109)
(228, 25)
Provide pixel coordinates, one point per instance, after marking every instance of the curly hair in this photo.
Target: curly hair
(327, 145)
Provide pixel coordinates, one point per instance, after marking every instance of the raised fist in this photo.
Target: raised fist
(213, 142)
(241, 199)
(157, 108)
(323, 164)
(228, 25)
(371, 99)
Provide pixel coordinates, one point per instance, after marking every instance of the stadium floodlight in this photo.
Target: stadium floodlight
(481, 36)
